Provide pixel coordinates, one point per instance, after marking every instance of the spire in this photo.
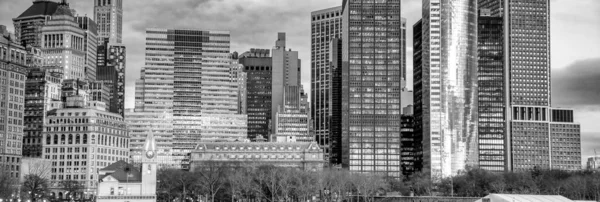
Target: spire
(150, 144)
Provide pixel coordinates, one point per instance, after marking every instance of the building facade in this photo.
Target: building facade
(291, 116)
(446, 83)
(63, 44)
(13, 73)
(81, 139)
(371, 87)
(28, 26)
(111, 61)
(160, 125)
(90, 45)
(299, 155)
(534, 134)
(326, 28)
(188, 75)
(491, 92)
(42, 94)
(258, 66)
(108, 14)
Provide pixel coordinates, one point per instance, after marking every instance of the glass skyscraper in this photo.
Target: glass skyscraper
(189, 77)
(371, 85)
(326, 28)
(446, 86)
(534, 134)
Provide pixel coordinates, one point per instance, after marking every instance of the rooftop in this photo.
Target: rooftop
(40, 8)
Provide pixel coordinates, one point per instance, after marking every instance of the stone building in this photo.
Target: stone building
(300, 155)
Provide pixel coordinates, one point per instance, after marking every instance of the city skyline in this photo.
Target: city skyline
(574, 56)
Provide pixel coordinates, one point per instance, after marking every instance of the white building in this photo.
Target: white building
(124, 182)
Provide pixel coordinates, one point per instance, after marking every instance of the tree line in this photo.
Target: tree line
(269, 183)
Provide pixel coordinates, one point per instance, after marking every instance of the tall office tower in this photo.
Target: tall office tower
(335, 97)
(111, 62)
(13, 72)
(63, 44)
(258, 67)
(491, 125)
(108, 14)
(534, 133)
(188, 76)
(446, 84)
(90, 45)
(326, 26)
(81, 139)
(28, 26)
(371, 86)
(42, 93)
(289, 119)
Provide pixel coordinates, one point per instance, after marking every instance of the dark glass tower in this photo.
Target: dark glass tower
(258, 68)
(491, 125)
(326, 27)
(371, 84)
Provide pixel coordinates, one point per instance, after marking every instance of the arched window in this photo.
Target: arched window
(62, 139)
(55, 139)
(84, 138)
(70, 138)
(77, 139)
(48, 137)
(93, 139)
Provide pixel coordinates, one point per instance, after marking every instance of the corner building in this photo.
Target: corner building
(371, 84)
(80, 140)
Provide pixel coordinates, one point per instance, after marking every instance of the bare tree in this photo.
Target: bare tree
(175, 183)
(212, 177)
(35, 186)
(39, 167)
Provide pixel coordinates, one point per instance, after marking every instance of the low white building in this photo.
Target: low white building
(122, 181)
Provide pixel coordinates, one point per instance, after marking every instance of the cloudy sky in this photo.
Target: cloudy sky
(255, 23)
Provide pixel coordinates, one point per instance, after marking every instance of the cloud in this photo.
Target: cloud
(577, 85)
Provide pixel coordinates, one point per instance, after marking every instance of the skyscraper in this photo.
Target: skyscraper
(108, 14)
(188, 76)
(63, 44)
(535, 135)
(111, 70)
(326, 26)
(289, 117)
(371, 86)
(111, 55)
(491, 92)
(28, 26)
(91, 45)
(445, 77)
(258, 66)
